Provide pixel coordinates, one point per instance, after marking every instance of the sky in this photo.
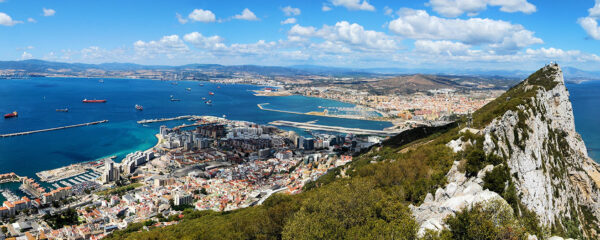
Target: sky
(429, 34)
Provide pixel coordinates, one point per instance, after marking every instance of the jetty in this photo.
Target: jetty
(357, 131)
(52, 129)
(164, 119)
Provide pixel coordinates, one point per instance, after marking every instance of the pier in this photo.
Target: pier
(311, 126)
(52, 129)
(164, 119)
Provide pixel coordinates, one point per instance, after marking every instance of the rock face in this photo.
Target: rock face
(547, 158)
(461, 192)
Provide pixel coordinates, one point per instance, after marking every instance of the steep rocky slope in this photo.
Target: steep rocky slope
(548, 161)
(531, 130)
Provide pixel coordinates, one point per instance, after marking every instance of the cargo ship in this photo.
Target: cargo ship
(93, 101)
(139, 107)
(11, 115)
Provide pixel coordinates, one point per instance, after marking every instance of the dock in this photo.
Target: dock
(51, 129)
(357, 131)
(164, 119)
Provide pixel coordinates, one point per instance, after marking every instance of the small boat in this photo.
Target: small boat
(224, 116)
(211, 93)
(203, 98)
(101, 80)
(175, 100)
(218, 86)
(201, 84)
(189, 89)
(174, 83)
(139, 107)
(208, 102)
(93, 101)
(62, 110)
(11, 115)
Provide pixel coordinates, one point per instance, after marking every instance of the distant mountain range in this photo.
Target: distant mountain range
(41, 66)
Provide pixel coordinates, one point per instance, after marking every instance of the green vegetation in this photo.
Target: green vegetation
(120, 190)
(58, 220)
(371, 200)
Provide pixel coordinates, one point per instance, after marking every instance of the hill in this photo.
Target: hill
(516, 169)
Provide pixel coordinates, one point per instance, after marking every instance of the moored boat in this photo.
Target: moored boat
(139, 107)
(211, 93)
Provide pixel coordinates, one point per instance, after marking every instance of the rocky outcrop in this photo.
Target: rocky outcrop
(547, 160)
(461, 192)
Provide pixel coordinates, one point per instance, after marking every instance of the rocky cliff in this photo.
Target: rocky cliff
(531, 130)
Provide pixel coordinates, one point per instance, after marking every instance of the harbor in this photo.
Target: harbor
(52, 129)
(76, 171)
(312, 126)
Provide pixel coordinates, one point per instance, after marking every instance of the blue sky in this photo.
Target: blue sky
(477, 34)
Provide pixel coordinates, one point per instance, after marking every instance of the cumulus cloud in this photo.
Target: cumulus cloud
(26, 56)
(325, 8)
(31, 20)
(502, 35)
(48, 12)
(181, 19)
(246, 15)
(442, 47)
(290, 11)
(353, 4)
(353, 35)
(7, 20)
(595, 11)
(289, 21)
(454, 8)
(198, 40)
(201, 15)
(590, 23)
(167, 45)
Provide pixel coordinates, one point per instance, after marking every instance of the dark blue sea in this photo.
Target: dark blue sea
(37, 99)
(585, 98)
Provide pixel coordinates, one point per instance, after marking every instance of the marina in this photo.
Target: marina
(52, 129)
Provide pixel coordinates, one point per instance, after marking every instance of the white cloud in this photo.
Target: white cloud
(31, 20)
(201, 15)
(167, 45)
(181, 19)
(454, 8)
(595, 11)
(354, 4)
(289, 21)
(504, 36)
(441, 47)
(7, 20)
(48, 12)
(590, 25)
(26, 55)
(325, 8)
(353, 35)
(290, 11)
(198, 40)
(388, 11)
(246, 15)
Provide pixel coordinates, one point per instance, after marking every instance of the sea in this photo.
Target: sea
(36, 101)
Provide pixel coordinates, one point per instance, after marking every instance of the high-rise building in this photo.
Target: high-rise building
(111, 172)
